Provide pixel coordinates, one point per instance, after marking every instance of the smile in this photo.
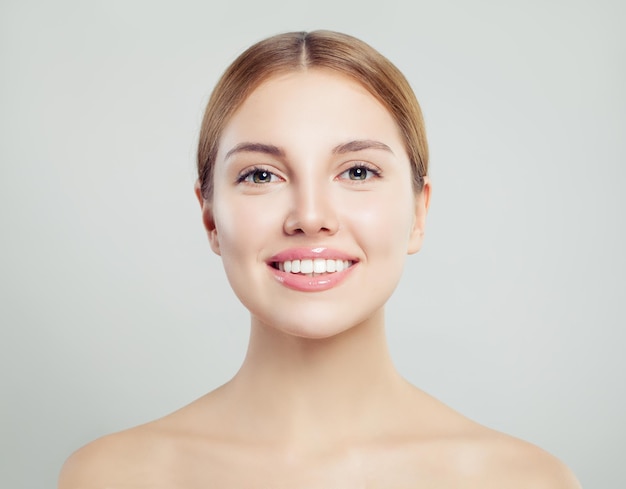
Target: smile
(313, 267)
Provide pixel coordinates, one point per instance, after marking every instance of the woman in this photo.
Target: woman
(312, 179)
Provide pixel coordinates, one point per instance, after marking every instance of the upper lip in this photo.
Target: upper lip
(311, 253)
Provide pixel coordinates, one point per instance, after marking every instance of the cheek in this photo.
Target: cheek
(239, 235)
(243, 224)
(384, 224)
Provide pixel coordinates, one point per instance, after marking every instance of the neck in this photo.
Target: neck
(302, 388)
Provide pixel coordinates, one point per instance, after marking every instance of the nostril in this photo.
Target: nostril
(311, 220)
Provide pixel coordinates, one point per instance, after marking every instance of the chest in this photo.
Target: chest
(246, 468)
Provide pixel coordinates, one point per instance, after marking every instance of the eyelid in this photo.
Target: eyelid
(376, 172)
(244, 174)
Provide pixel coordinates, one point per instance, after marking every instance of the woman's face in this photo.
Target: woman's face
(313, 209)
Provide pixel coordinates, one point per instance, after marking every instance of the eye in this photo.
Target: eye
(258, 176)
(359, 172)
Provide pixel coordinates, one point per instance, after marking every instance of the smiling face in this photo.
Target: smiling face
(313, 210)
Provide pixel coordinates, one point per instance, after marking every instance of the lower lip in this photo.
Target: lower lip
(304, 283)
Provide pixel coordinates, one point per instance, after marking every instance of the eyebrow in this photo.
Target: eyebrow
(270, 149)
(360, 145)
(256, 148)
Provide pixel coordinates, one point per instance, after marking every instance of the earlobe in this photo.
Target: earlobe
(208, 219)
(422, 202)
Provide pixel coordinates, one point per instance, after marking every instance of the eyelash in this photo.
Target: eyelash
(245, 177)
(375, 173)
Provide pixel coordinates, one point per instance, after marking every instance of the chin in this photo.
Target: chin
(312, 332)
(316, 325)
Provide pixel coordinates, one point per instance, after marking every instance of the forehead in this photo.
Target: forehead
(313, 107)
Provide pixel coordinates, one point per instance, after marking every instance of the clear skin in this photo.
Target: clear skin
(317, 402)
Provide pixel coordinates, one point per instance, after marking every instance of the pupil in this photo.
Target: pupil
(358, 173)
(261, 176)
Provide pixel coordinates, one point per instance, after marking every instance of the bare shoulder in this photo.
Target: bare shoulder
(159, 454)
(451, 447)
(111, 461)
(515, 463)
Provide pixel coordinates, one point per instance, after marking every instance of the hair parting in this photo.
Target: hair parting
(295, 51)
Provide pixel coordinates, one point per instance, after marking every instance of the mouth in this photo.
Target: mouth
(313, 267)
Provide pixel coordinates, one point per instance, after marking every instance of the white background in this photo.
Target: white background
(113, 311)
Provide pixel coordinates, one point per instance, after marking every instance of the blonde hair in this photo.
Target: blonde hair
(318, 49)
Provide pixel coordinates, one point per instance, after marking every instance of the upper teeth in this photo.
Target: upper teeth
(317, 265)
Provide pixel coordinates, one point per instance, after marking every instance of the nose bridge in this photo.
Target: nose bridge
(312, 208)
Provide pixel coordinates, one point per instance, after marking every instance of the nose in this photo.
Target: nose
(312, 211)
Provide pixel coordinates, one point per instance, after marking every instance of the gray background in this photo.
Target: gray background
(114, 311)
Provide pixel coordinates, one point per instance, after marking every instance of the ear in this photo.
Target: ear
(422, 202)
(207, 219)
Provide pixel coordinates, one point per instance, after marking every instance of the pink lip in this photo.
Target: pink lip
(304, 283)
(311, 254)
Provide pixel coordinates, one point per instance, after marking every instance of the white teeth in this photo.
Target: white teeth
(306, 266)
(319, 265)
(315, 266)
